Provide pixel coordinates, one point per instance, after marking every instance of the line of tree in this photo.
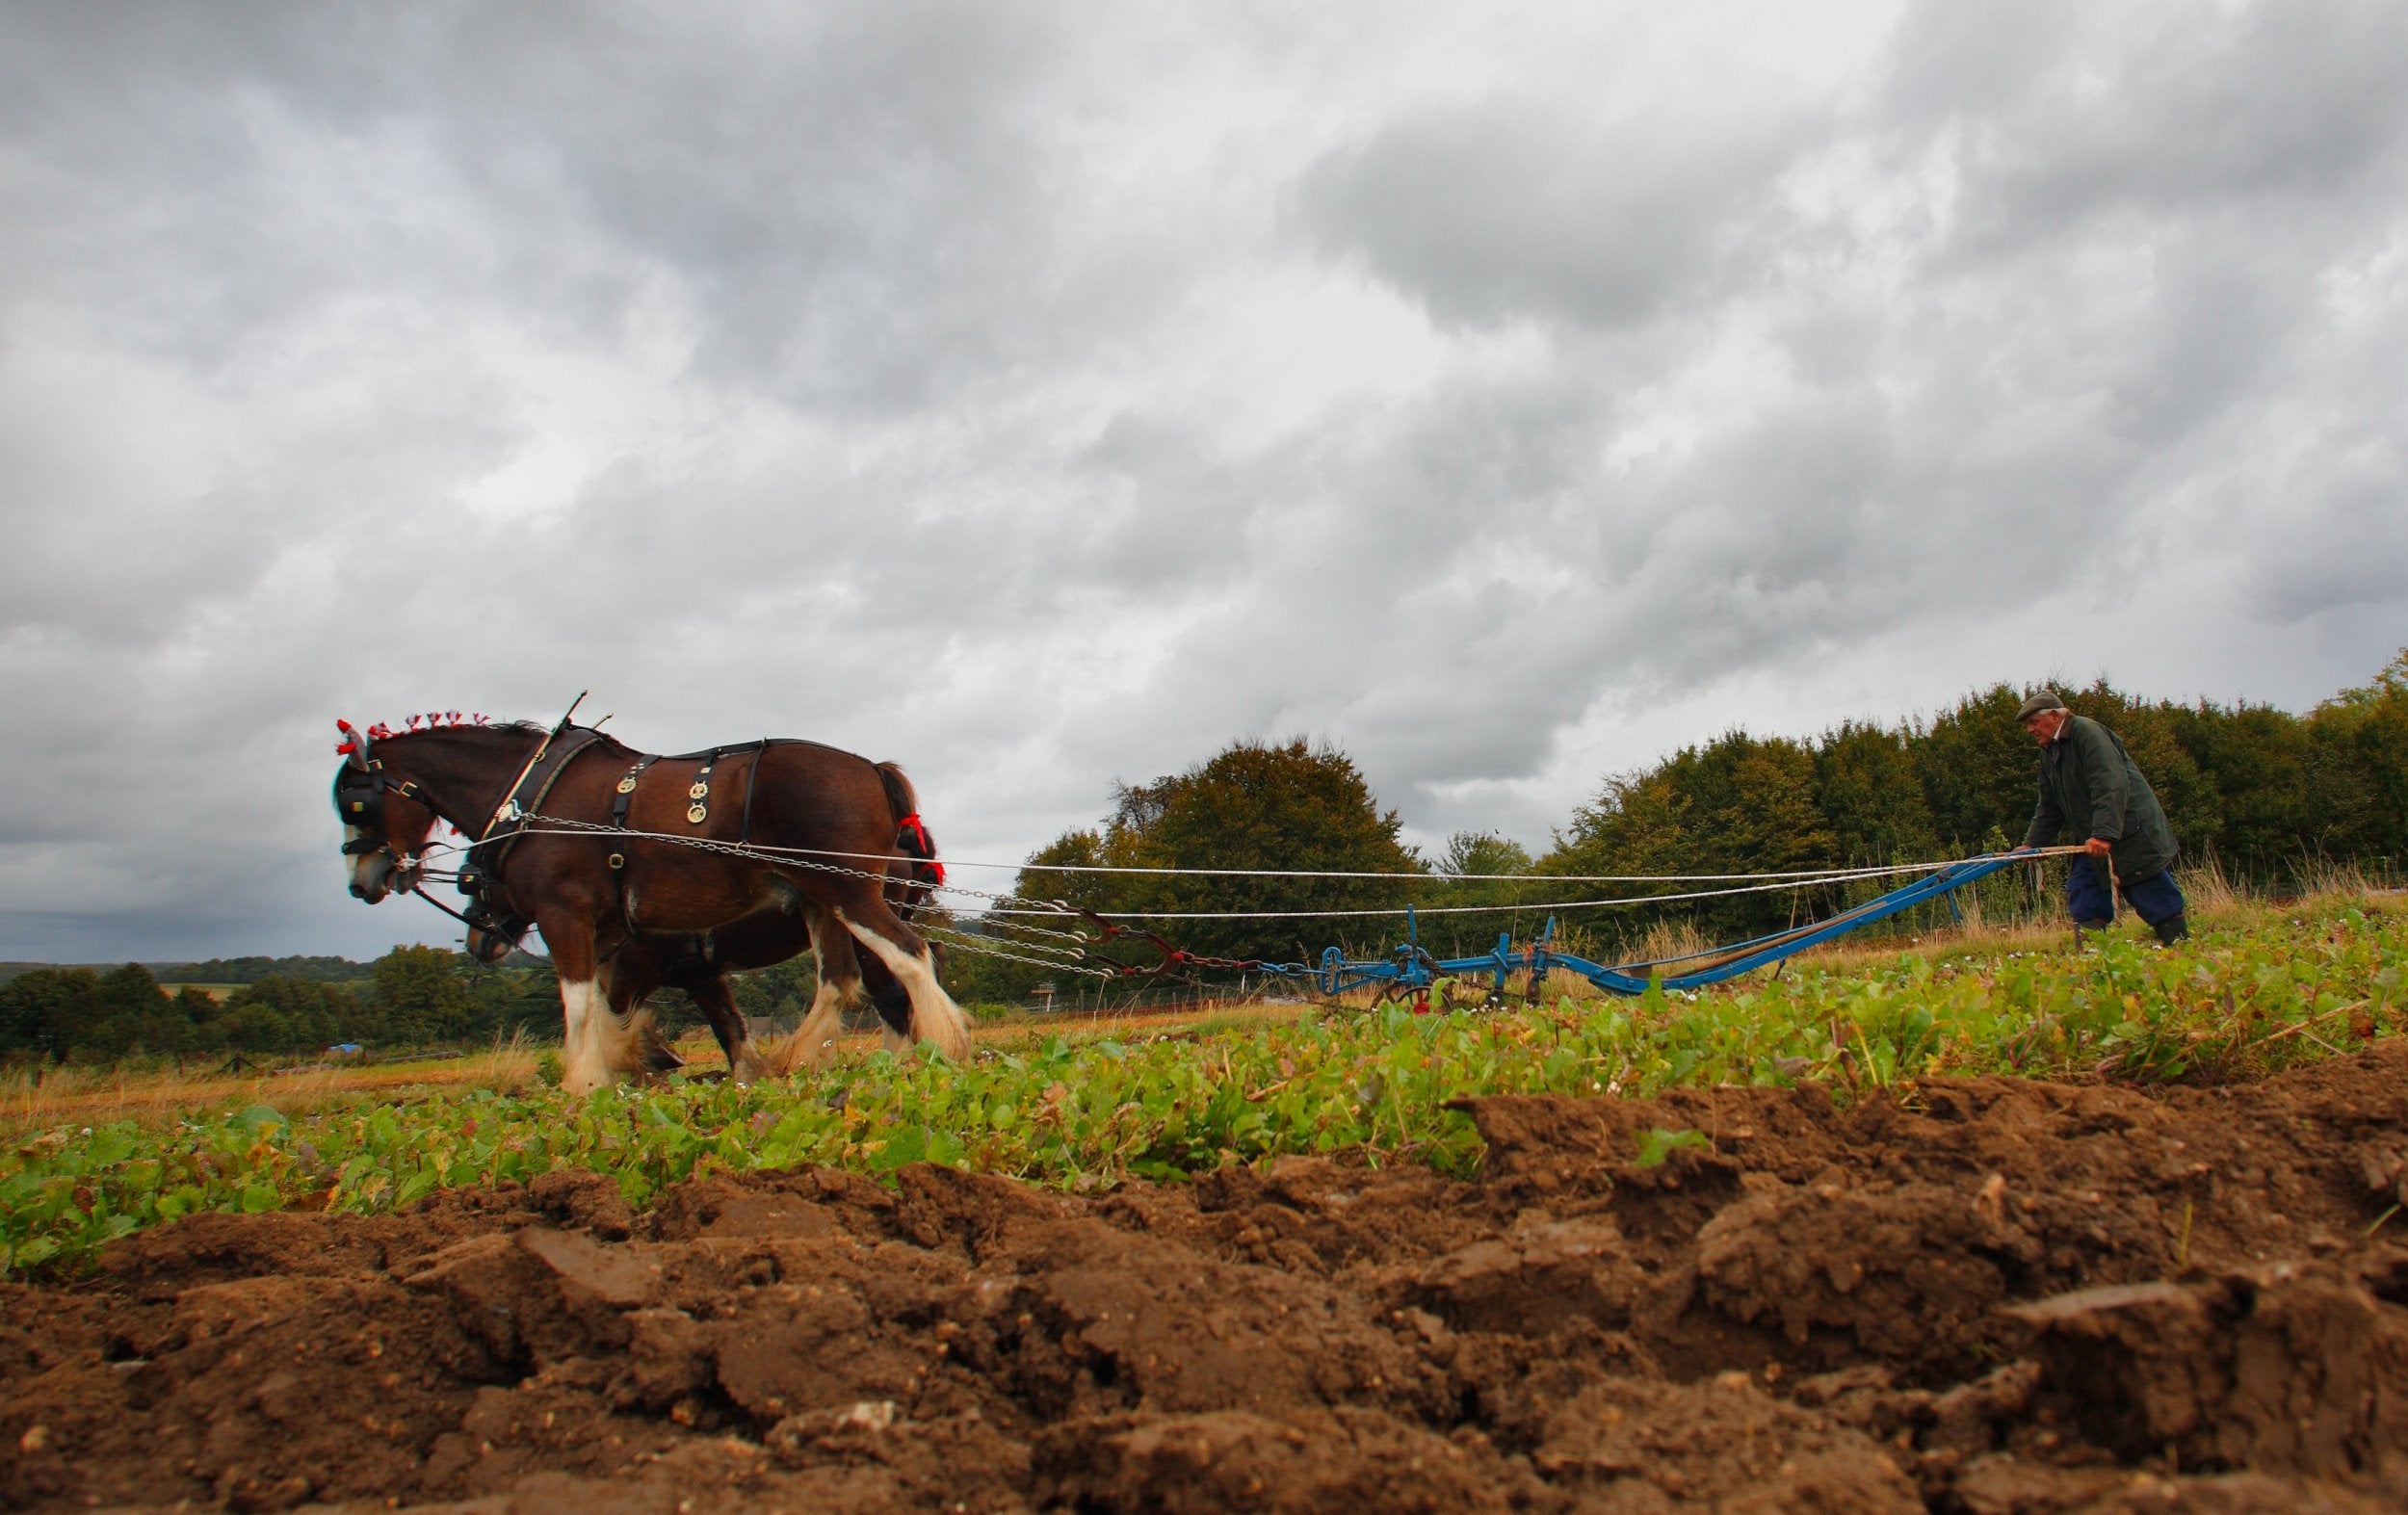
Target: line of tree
(412, 998)
(2257, 789)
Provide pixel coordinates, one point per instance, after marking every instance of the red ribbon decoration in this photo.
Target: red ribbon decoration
(911, 831)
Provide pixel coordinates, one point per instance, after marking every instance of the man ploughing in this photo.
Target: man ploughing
(2088, 780)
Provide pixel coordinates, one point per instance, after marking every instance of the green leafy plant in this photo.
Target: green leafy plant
(1657, 1144)
(1079, 1113)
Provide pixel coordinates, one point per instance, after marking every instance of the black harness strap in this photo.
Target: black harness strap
(621, 801)
(480, 880)
(535, 784)
(625, 797)
(752, 779)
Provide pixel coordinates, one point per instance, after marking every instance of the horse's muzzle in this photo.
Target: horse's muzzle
(376, 876)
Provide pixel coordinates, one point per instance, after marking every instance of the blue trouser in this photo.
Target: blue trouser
(2155, 899)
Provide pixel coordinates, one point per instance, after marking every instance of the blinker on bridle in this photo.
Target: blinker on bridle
(360, 786)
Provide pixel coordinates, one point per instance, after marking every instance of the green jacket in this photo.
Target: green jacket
(2086, 777)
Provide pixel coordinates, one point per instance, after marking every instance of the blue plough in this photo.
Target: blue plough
(1410, 970)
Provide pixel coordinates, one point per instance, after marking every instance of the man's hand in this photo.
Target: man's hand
(2098, 847)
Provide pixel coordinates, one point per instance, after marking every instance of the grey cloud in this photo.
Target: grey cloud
(1502, 211)
(2067, 111)
(898, 377)
(857, 202)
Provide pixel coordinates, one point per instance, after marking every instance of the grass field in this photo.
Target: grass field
(1080, 1105)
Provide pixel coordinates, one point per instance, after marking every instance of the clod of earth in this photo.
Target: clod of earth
(2005, 1296)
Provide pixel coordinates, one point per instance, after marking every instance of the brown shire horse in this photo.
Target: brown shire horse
(602, 896)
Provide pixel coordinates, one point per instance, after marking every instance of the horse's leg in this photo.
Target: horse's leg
(934, 1016)
(840, 985)
(718, 1006)
(585, 1003)
(627, 982)
(596, 1045)
(891, 999)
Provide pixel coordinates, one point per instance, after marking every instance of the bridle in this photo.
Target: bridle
(360, 786)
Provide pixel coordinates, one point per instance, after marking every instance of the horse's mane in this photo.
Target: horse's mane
(512, 731)
(424, 723)
(481, 731)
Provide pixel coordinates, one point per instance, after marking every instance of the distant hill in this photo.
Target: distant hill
(251, 970)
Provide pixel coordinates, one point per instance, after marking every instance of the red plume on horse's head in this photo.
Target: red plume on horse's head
(354, 739)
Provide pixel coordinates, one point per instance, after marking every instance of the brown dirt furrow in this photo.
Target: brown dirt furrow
(1985, 1296)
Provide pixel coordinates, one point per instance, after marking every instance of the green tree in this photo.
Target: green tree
(1979, 772)
(420, 997)
(277, 1013)
(1865, 783)
(1292, 807)
(254, 1027)
(2255, 760)
(196, 1012)
(1472, 856)
(2358, 765)
(43, 1012)
(1637, 825)
(134, 1015)
(1738, 805)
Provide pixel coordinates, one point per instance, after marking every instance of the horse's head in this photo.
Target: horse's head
(386, 822)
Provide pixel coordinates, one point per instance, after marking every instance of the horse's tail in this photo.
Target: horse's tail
(899, 794)
(911, 836)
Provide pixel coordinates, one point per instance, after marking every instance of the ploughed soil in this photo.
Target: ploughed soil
(1987, 1296)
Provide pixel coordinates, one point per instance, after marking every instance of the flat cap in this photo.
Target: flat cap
(2044, 700)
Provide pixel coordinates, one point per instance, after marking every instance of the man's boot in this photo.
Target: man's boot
(2173, 928)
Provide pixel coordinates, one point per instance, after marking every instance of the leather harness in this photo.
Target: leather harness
(480, 880)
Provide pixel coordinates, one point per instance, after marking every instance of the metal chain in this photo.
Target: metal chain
(1051, 953)
(1022, 929)
(980, 946)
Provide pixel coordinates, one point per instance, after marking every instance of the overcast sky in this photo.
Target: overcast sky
(1046, 396)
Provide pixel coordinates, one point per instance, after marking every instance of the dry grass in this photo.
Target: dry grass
(2208, 889)
(702, 1053)
(75, 1096)
(2320, 878)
